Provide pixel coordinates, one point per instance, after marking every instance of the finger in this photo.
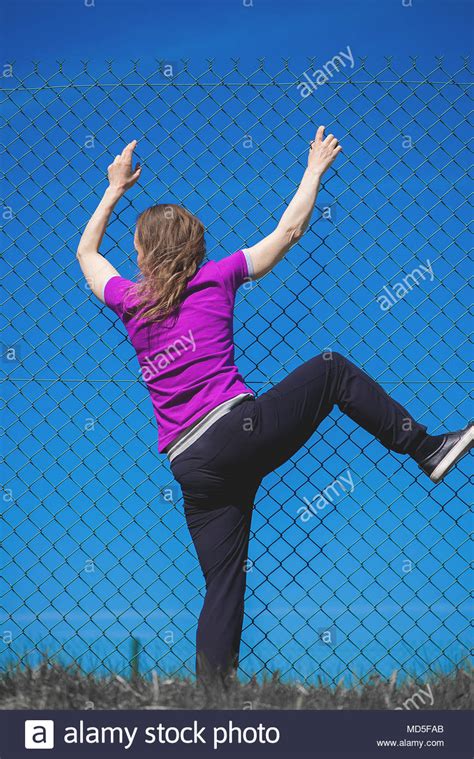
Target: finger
(338, 150)
(328, 139)
(320, 134)
(117, 158)
(128, 149)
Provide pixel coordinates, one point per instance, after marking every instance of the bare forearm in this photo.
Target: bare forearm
(292, 225)
(296, 218)
(95, 229)
(95, 268)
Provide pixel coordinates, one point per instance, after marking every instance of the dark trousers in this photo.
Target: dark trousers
(220, 473)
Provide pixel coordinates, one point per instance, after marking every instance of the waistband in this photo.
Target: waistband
(193, 433)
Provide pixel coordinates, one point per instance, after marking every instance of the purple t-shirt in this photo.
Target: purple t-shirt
(187, 362)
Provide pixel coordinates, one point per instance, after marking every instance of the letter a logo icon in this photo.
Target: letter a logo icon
(39, 733)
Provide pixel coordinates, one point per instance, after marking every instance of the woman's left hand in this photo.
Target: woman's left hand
(121, 174)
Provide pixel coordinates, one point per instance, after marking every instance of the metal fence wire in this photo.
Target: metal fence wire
(357, 563)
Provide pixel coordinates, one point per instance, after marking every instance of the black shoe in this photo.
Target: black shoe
(454, 446)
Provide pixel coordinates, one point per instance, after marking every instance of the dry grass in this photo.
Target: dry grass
(53, 686)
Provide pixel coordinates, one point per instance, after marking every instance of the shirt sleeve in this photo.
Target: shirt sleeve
(115, 291)
(235, 270)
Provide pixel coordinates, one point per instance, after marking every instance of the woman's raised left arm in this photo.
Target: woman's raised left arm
(96, 269)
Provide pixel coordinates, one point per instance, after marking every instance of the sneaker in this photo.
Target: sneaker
(453, 447)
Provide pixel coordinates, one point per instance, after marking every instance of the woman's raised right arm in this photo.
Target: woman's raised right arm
(294, 222)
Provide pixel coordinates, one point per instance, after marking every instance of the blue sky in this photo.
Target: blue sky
(177, 28)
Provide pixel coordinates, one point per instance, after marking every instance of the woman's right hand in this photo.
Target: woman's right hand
(323, 152)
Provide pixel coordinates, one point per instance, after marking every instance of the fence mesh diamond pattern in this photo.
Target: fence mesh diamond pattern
(357, 564)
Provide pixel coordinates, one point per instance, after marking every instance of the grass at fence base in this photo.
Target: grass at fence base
(53, 686)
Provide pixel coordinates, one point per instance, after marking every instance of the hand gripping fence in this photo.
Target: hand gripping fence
(357, 563)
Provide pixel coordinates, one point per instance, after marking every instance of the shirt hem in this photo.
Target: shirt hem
(167, 442)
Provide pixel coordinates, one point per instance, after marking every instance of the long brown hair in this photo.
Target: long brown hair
(172, 247)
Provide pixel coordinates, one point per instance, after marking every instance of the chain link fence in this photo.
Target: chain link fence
(357, 563)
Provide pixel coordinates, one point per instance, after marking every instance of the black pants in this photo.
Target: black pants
(220, 473)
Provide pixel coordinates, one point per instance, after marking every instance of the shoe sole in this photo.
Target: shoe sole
(456, 453)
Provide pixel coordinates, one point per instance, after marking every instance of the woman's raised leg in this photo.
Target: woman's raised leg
(287, 415)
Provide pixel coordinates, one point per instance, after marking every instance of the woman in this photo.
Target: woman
(220, 439)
